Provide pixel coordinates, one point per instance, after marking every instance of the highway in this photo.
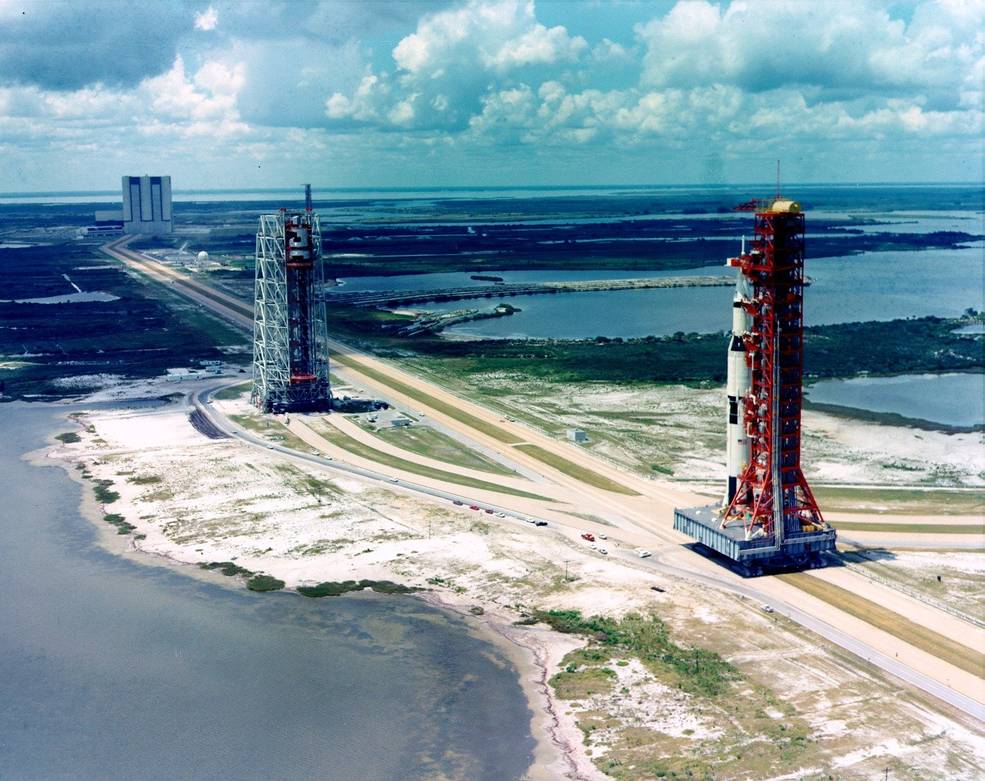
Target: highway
(640, 502)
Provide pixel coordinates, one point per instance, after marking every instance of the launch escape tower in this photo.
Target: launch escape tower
(768, 518)
(290, 335)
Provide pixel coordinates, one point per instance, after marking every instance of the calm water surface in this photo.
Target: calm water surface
(113, 669)
(951, 399)
(871, 286)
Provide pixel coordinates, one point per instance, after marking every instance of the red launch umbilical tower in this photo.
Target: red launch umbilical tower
(772, 498)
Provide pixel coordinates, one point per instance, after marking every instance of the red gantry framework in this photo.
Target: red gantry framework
(290, 335)
(772, 498)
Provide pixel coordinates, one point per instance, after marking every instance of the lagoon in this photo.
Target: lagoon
(949, 399)
(118, 669)
(852, 288)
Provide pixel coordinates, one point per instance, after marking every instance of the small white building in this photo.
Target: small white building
(577, 435)
(400, 422)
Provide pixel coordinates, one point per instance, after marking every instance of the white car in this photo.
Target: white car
(644, 554)
(602, 536)
(603, 551)
(500, 515)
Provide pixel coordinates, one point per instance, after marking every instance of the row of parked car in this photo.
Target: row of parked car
(490, 511)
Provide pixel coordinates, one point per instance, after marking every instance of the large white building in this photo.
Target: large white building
(147, 204)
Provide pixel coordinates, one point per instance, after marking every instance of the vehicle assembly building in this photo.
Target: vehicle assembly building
(290, 334)
(147, 205)
(768, 518)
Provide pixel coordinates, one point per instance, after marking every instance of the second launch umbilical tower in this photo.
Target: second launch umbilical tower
(768, 518)
(290, 333)
(768, 493)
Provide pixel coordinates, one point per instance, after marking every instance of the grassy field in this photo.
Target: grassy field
(752, 743)
(429, 442)
(882, 618)
(902, 501)
(928, 573)
(358, 448)
(232, 392)
(575, 470)
(273, 431)
(911, 528)
(425, 398)
(142, 333)
(880, 348)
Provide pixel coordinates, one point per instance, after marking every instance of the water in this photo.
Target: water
(113, 669)
(67, 298)
(950, 399)
(871, 286)
(456, 279)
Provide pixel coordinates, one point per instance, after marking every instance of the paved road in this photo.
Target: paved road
(640, 511)
(202, 403)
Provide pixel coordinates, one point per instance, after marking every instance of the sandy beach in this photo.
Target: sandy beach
(193, 500)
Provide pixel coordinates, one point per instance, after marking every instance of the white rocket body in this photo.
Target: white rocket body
(737, 390)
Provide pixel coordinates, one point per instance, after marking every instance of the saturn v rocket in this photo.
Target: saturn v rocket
(737, 388)
(768, 518)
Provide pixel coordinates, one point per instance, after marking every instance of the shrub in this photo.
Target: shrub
(264, 583)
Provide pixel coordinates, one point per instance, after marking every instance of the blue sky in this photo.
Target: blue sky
(489, 92)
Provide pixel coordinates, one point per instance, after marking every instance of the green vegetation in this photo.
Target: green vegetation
(86, 339)
(117, 520)
(363, 450)
(902, 501)
(302, 482)
(264, 583)
(696, 670)
(911, 528)
(68, 437)
(432, 443)
(578, 684)
(844, 350)
(925, 639)
(759, 736)
(574, 470)
(227, 568)
(145, 480)
(273, 430)
(232, 392)
(335, 589)
(451, 410)
(102, 492)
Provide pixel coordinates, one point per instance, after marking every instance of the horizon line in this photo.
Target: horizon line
(494, 187)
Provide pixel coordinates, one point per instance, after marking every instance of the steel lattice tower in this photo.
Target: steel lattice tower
(772, 496)
(769, 518)
(290, 334)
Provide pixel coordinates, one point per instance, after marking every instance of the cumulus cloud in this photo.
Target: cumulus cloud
(63, 46)
(443, 69)
(207, 20)
(850, 50)
(486, 78)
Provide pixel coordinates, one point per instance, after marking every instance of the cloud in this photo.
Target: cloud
(62, 46)
(847, 50)
(207, 20)
(444, 69)
(490, 87)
